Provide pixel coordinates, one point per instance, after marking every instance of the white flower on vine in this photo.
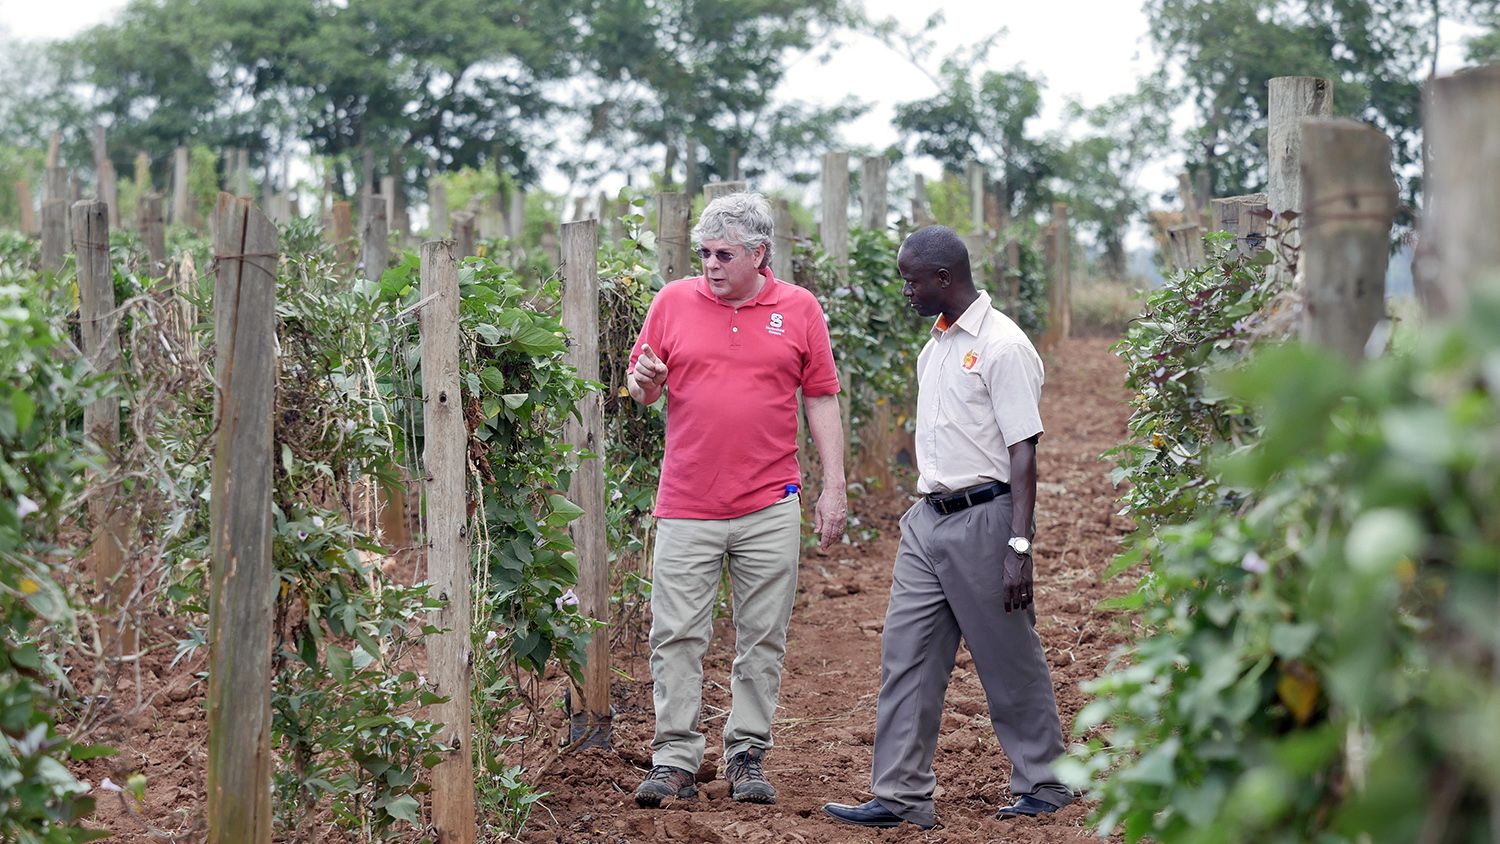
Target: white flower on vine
(490, 638)
(1255, 563)
(25, 507)
(567, 599)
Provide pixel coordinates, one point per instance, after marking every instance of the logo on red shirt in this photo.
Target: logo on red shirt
(775, 326)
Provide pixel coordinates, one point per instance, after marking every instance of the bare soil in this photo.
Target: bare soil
(825, 724)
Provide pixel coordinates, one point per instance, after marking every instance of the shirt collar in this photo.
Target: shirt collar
(971, 320)
(770, 292)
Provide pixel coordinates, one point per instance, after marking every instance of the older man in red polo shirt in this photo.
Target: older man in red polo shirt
(731, 348)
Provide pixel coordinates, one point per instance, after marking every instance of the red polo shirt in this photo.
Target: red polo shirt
(732, 379)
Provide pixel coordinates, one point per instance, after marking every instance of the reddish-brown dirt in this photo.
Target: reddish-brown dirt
(825, 723)
(826, 720)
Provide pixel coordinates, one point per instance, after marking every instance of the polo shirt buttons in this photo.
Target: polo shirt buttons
(735, 329)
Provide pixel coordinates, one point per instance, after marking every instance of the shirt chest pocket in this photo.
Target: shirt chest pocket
(969, 398)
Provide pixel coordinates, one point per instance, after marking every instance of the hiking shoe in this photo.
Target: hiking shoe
(747, 779)
(665, 781)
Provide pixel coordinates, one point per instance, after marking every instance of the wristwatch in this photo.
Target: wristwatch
(1021, 545)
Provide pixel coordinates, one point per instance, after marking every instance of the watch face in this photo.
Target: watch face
(1020, 544)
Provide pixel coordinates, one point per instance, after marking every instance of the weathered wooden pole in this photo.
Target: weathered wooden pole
(242, 171)
(580, 317)
(99, 326)
(463, 234)
(516, 218)
(343, 233)
(921, 214)
(872, 192)
(26, 217)
(243, 591)
(1245, 218)
(714, 190)
(690, 166)
(781, 239)
(835, 213)
(1059, 279)
(153, 227)
(673, 226)
(181, 204)
(437, 208)
(1289, 100)
(375, 253)
(974, 181)
(1192, 212)
(444, 453)
(1186, 244)
(1462, 125)
(1350, 203)
(55, 219)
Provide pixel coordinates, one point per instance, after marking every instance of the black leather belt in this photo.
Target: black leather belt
(951, 502)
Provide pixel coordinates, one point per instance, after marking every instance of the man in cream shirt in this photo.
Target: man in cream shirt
(964, 564)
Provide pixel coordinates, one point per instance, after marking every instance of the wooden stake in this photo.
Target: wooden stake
(1461, 128)
(376, 251)
(835, 228)
(463, 234)
(1351, 203)
(673, 227)
(54, 234)
(781, 239)
(872, 192)
(99, 326)
(154, 231)
(1186, 243)
(714, 190)
(28, 213)
(1243, 217)
(181, 203)
(343, 233)
(444, 453)
(1290, 99)
(437, 208)
(1059, 287)
(921, 215)
(580, 317)
(243, 587)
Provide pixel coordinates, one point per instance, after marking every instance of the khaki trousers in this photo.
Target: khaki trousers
(762, 549)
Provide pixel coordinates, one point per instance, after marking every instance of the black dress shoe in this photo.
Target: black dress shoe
(873, 813)
(1025, 806)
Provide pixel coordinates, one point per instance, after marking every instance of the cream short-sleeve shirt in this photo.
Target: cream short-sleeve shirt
(979, 389)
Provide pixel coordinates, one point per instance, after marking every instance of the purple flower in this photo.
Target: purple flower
(1255, 563)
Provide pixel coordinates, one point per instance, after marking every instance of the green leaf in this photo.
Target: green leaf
(24, 408)
(340, 663)
(403, 808)
(1291, 641)
(514, 400)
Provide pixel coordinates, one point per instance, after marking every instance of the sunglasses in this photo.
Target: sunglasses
(724, 255)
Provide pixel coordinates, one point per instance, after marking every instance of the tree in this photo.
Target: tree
(983, 118)
(1098, 172)
(1226, 52)
(672, 72)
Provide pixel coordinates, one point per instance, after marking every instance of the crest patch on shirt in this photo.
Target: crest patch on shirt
(970, 359)
(776, 327)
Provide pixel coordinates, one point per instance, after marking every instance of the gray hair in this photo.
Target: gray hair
(743, 218)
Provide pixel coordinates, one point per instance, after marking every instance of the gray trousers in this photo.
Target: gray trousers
(762, 548)
(947, 583)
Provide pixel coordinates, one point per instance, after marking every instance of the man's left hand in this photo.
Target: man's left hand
(1016, 581)
(829, 517)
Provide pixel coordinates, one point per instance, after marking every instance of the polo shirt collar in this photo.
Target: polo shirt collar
(971, 320)
(770, 292)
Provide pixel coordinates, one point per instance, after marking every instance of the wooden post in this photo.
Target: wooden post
(437, 208)
(243, 590)
(1192, 212)
(714, 190)
(835, 229)
(242, 171)
(376, 254)
(580, 317)
(99, 326)
(974, 179)
(1351, 201)
(1013, 274)
(1461, 127)
(517, 216)
(872, 192)
(54, 150)
(54, 235)
(673, 227)
(1243, 217)
(343, 233)
(444, 454)
(690, 162)
(181, 208)
(1186, 243)
(463, 234)
(154, 231)
(1059, 280)
(1289, 100)
(27, 219)
(921, 214)
(781, 239)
